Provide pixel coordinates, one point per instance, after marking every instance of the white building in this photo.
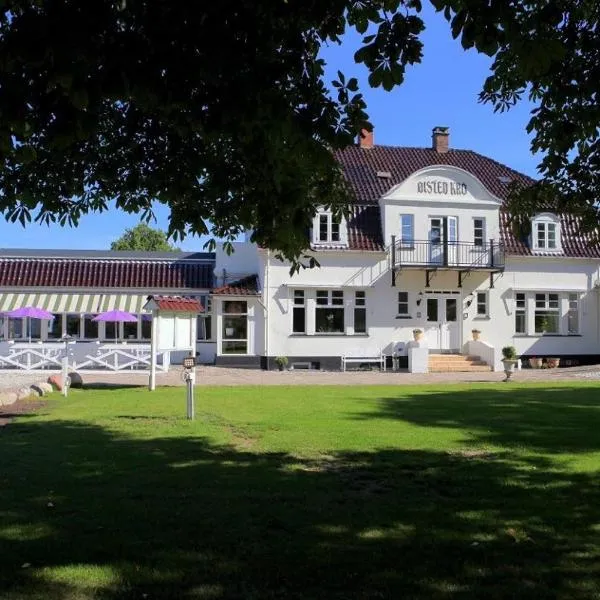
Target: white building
(426, 245)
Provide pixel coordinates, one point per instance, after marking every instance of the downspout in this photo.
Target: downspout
(266, 308)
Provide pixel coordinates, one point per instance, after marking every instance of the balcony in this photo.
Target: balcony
(432, 256)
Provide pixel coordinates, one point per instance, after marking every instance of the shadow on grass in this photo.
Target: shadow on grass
(549, 419)
(111, 385)
(181, 518)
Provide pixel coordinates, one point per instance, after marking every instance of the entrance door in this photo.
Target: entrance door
(441, 329)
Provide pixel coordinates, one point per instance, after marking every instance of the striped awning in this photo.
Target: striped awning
(74, 303)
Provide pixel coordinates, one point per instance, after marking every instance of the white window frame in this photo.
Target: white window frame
(545, 222)
(335, 299)
(360, 304)
(407, 220)
(225, 315)
(482, 299)
(299, 304)
(342, 229)
(401, 314)
(549, 298)
(483, 232)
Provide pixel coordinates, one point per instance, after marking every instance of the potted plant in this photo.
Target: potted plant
(476, 333)
(281, 362)
(535, 363)
(509, 360)
(417, 334)
(553, 362)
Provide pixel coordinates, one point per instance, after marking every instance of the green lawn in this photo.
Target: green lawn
(483, 491)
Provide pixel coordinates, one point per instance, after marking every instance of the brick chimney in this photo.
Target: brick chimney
(366, 139)
(440, 136)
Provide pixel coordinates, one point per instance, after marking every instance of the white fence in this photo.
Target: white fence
(82, 356)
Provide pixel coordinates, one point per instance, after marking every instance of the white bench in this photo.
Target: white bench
(364, 355)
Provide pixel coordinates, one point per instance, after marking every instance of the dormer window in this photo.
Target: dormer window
(545, 233)
(328, 229)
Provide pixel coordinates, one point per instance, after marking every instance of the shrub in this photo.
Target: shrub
(509, 353)
(281, 362)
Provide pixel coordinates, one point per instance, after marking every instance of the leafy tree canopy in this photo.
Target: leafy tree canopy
(143, 237)
(220, 109)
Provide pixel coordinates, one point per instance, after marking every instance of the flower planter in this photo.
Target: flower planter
(476, 334)
(552, 362)
(417, 335)
(535, 363)
(509, 367)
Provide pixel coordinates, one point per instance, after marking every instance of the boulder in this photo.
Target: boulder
(56, 382)
(23, 393)
(76, 380)
(45, 387)
(38, 390)
(33, 392)
(7, 398)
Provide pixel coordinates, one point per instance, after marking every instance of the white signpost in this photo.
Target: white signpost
(174, 322)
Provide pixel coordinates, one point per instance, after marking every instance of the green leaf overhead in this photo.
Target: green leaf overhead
(222, 111)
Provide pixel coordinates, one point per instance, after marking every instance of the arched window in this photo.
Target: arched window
(545, 233)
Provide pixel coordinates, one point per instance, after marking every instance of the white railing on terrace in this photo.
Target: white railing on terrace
(33, 356)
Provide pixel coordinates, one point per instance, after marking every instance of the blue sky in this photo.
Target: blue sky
(442, 90)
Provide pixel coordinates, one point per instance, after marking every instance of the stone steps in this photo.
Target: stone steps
(456, 363)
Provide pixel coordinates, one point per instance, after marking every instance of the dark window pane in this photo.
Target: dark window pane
(146, 327)
(451, 309)
(235, 307)
(337, 297)
(130, 331)
(360, 320)
(432, 309)
(335, 230)
(322, 297)
(299, 320)
(90, 328)
(73, 325)
(323, 226)
(235, 328)
(55, 327)
(329, 320)
(110, 330)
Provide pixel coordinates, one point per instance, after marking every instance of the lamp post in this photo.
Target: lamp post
(66, 380)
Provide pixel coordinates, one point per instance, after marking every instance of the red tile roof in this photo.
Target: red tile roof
(177, 304)
(573, 243)
(361, 165)
(105, 273)
(248, 286)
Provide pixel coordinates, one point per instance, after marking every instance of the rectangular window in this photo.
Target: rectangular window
(55, 327)
(323, 228)
(546, 313)
(299, 312)
(482, 304)
(329, 228)
(204, 321)
(407, 230)
(146, 327)
(478, 232)
(403, 304)
(235, 327)
(360, 312)
(73, 325)
(90, 328)
(573, 315)
(520, 313)
(329, 312)
(35, 329)
(111, 331)
(130, 331)
(546, 236)
(15, 329)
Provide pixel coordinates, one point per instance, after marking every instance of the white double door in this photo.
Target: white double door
(442, 322)
(443, 235)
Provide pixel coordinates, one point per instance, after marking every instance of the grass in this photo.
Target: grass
(305, 493)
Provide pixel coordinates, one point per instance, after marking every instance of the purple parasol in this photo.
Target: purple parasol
(116, 316)
(29, 312)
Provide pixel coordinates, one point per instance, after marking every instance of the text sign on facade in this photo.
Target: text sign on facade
(446, 188)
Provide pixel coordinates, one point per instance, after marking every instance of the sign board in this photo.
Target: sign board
(189, 362)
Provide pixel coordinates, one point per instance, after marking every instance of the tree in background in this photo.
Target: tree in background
(143, 237)
(220, 109)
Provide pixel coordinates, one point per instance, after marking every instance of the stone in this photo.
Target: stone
(45, 387)
(56, 382)
(76, 380)
(33, 392)
(23, 393)
(7, 398)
